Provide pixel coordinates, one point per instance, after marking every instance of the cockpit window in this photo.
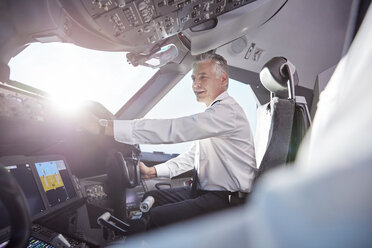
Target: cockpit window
(71, 74)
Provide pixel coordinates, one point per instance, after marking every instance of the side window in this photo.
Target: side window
(181, 101)
(245, 96)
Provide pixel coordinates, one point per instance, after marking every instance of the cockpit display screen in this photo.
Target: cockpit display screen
(55, 181)
(46, 182)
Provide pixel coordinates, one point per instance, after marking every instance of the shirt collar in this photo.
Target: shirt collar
(220, 97)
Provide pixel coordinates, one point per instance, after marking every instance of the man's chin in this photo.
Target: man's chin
(201, 100)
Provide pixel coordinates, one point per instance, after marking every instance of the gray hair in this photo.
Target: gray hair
(219, 62)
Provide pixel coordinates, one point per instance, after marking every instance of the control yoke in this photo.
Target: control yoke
(122, 173)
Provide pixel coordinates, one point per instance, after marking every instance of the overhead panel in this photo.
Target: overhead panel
(234, 24)
(143, 23)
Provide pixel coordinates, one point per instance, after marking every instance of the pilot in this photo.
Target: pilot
(222, 153)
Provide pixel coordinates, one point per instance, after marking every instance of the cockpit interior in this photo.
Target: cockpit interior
(64, 187)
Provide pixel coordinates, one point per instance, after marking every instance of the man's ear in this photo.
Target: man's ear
(224, 80)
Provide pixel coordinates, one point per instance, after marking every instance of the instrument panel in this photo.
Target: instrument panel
(46, 181)
(17, 104)
(146, 22)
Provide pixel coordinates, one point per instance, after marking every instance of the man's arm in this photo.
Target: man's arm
(178, 165)
(214, 122)
(171, 168)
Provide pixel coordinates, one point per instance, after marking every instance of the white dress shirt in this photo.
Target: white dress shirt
(223, 151)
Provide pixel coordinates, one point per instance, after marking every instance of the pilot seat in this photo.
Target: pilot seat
(282, 122)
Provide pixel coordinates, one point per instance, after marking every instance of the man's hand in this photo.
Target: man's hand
(147, 172)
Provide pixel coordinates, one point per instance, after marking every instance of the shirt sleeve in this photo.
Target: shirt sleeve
(215, 121)
(178, 165)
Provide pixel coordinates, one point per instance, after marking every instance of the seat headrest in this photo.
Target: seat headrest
(278, 75)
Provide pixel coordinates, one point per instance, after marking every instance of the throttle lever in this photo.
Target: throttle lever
(114, 224)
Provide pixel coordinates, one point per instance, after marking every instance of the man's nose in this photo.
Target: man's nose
(196, 84)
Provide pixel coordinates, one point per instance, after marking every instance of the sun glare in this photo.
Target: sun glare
(73, 74)
(69, 107)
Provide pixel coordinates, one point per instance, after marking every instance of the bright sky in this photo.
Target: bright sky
(73, 74)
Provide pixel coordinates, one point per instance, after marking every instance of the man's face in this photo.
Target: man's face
(206, 84)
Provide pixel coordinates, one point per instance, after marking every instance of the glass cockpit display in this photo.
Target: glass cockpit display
(55, 180)
(46, 182)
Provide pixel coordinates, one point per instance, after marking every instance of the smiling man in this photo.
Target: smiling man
(222, 155)
(209, 81)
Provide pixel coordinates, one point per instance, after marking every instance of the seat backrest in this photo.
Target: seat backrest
(282, 122)
(301, 123)
(278, 115)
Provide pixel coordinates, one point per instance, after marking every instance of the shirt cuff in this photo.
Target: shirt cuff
(162, 170)
(123, 130)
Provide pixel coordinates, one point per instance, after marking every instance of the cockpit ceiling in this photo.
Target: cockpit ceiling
(313, 35)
